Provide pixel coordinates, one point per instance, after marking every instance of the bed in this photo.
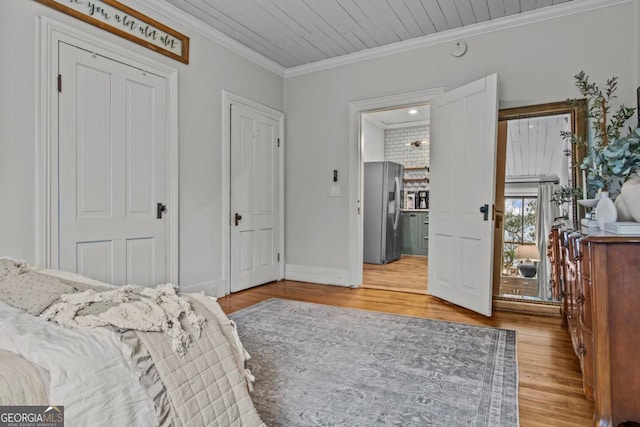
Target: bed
(119, 355)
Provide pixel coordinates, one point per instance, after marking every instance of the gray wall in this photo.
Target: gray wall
(535, 64)
(211, 69)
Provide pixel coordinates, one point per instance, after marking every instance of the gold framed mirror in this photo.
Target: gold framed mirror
(533, 160)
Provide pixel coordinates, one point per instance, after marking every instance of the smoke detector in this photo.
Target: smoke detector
(459, 49)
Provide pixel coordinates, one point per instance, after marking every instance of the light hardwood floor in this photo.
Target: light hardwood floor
(410, 274)
(407, 274)
(550, 383)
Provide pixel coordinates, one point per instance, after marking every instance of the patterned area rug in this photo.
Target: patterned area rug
(318, 365)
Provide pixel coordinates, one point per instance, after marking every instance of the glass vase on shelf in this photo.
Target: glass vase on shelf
(563, 208)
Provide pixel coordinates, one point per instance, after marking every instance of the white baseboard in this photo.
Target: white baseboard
(300, 273)
(325, 276)
(214, 288)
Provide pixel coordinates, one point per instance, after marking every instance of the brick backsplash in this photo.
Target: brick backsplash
(397, 150)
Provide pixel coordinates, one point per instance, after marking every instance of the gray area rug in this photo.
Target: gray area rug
(318, 365)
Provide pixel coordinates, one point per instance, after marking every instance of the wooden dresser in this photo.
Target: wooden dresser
(598, 278)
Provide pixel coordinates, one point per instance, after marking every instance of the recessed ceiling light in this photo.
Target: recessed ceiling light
(414, 111)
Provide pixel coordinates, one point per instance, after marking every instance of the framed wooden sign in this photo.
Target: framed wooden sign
(128, 23)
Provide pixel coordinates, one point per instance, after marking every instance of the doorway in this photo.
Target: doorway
(356, 167)
(254, 240)
(396, 139)
(463, 132)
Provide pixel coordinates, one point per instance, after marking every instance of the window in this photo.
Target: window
(519, 227)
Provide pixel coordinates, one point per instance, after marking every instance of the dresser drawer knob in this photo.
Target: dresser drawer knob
(581, 350)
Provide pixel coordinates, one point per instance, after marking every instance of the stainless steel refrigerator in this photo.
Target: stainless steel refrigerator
(381, 215)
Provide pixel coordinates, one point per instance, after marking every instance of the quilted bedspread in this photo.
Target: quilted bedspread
(21, 382)
(210, 383)
(105, 376)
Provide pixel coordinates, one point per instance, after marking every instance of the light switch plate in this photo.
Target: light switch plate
(335, 191)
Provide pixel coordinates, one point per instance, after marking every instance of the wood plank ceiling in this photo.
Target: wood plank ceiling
(298, 32)
(535, 147)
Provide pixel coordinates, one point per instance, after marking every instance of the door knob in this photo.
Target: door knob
(485, 211)
(238, 217)
(160, 208)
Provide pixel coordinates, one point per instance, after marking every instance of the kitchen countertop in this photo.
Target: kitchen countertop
(414, 210)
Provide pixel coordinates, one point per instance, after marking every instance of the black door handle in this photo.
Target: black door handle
(238, 217)
(159, 209)
(485, 211)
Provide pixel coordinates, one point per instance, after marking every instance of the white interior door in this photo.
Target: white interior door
(255, 193)
(462, 181)
(112, 162)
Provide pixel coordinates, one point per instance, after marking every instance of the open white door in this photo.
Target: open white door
(462, 194)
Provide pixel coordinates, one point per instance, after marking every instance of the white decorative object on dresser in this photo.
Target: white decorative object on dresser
(625, 228)
(605, 210)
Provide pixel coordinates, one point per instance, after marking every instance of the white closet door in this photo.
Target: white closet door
(112, 162)
(462, 182)
(255, 193)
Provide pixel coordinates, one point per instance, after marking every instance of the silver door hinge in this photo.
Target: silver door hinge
(59, 82)
(278, 142)
(278, 256)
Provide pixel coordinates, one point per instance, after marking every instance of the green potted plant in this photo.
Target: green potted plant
(622, 155)
(564, 195)
(610, 156)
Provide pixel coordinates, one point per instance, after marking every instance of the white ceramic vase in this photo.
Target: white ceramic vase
(605, 210)
(628, 202)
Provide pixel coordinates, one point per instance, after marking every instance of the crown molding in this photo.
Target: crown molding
(543, 14)
(189, 21)
(551, 12)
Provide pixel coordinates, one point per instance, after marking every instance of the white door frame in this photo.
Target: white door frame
(229, 98)
(50, 34)
(355, 167)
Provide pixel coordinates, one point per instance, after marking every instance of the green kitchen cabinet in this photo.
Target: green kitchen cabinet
(415, 232)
